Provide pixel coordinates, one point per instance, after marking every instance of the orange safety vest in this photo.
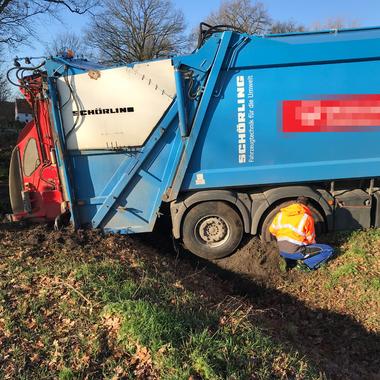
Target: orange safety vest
(295, 224)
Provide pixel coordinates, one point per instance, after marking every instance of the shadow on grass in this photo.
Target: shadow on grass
(335, 343)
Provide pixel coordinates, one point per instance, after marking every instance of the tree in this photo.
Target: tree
(63, 42)
(250, 17)
(4, 84)
(136, 30)
(4, 87)
(337, 23)
(285, 27)
(16, 15)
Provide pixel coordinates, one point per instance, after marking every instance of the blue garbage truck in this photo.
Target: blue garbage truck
(224, 136)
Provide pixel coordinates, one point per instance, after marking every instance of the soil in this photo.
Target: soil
(255, 259)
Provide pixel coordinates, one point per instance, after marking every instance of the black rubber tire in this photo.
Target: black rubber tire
(194, 243)
(266, 236)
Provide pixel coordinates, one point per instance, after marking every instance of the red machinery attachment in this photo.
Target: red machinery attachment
(34, 183)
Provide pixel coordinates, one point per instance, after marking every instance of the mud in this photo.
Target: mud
(256, 260)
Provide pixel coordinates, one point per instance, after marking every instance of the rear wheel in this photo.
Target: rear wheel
(319, 223)
(212, 230)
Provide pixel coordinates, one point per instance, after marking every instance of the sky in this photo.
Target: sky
(306, 12)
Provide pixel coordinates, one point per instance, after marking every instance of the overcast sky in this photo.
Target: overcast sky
(364, 12)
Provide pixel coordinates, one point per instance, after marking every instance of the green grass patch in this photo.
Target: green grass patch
(124, 312)
(183, 335)
(362, 243)
(342, 271)
(71, 311)
(66, 374)
(374, 284)
(357, 260)
(184, 342)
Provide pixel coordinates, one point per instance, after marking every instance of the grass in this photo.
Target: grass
(374, 283)
(181, 335)
(347, 269)
(65, 374)
(356, 271)
(361, 258)
(76, 306)
(119, 316)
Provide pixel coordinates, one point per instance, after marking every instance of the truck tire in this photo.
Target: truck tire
(212, 230)
(266, 236)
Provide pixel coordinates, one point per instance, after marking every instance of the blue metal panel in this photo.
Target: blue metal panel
(285, 157)
(92, 172)
(181, 103)
(200, 115)
(119, 191)
(331, 35)
(122, 191)
(203, 58)
(120, 181)
(272, 52)
(137, 207)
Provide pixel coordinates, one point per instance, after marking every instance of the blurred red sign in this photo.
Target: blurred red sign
(343, 114)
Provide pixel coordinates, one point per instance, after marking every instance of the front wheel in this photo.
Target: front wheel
(212, 230)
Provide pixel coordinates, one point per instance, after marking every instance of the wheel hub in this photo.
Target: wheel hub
(212, 230)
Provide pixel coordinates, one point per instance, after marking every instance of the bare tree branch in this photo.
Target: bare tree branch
(247, 15)
(278, 27)
(337, 23)
(16, 16)
(65, 41)
(4, 85)
(80, 7)
(4, 88)
(137, 30)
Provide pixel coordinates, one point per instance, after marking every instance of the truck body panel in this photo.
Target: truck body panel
(347, 153)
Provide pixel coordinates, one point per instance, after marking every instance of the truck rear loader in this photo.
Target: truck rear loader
(225, 136)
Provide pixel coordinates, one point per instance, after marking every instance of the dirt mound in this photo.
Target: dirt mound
(255, 259)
